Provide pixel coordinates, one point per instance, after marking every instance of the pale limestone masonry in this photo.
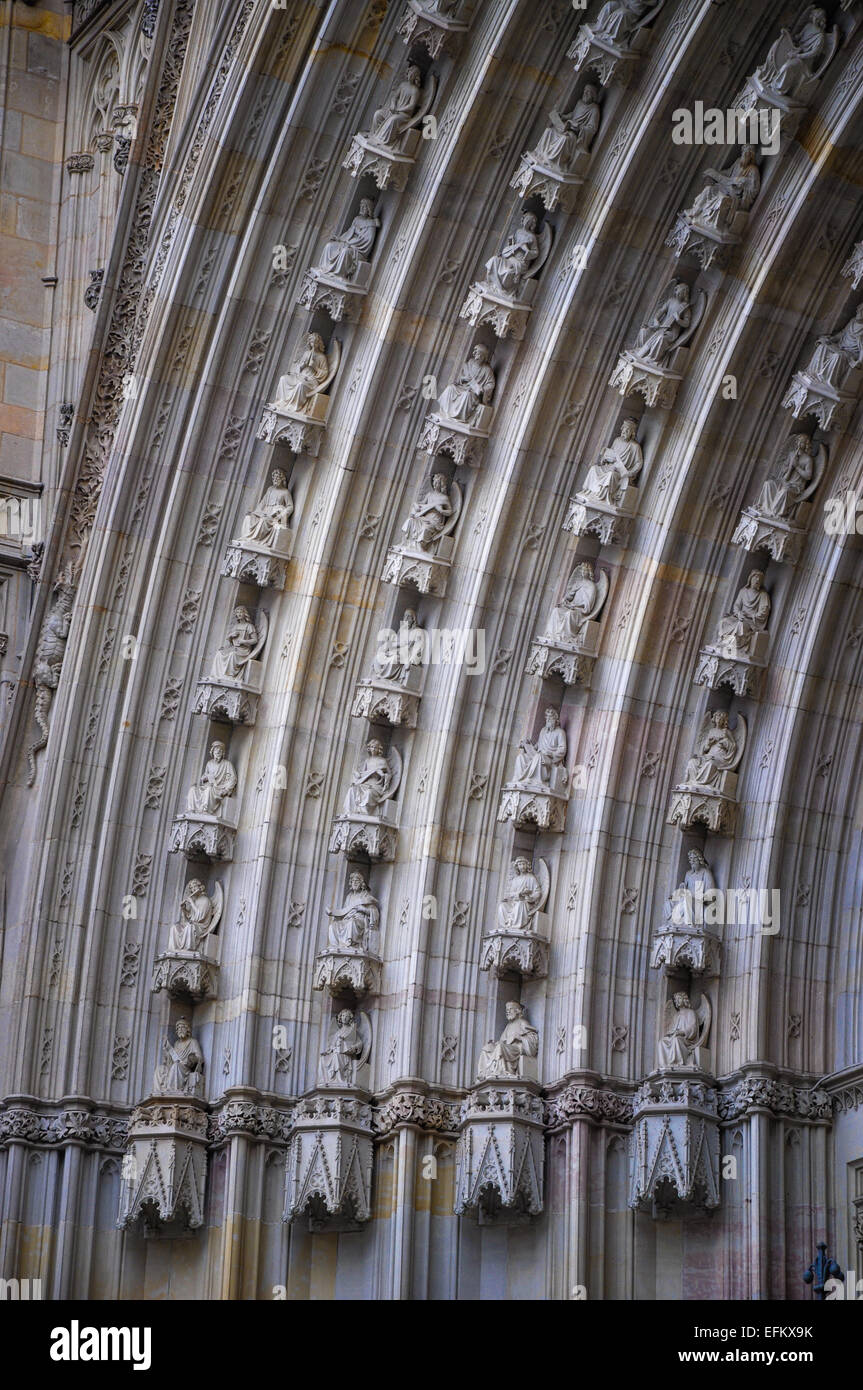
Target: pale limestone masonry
(395, 998)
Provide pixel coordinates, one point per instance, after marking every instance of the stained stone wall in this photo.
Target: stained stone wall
(195, 155)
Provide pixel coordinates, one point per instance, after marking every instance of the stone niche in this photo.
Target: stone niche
(204, 837)
(611, 525)
(500, 1154)
(674, 1146)
(524, 953)
(328, 1168)
(230, 701)
(463, 443)
(164, 1171)
(742, 672)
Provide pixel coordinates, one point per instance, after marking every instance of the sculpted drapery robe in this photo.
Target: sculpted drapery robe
(677, 1047)
(779, 495)
(472, 388)
(749, 614)
(567, 620)
(231, 661)
(299, 386)
(428, 517)
(370, 787)
(218, 782)
(501, 1059)
(718, 753)
(273, 511)
(542, 763)
(353, 923)
(343, 255)
(516, 912)
(606, 480)
(196, 916)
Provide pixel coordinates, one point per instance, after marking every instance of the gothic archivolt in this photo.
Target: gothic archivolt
(417, 321)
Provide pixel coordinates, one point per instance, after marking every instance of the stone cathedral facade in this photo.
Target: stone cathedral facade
(430, 451)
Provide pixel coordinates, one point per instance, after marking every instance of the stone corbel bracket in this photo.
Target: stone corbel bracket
(500, 1154)
(328, 1167)
(164, 1171)
(674, 1146)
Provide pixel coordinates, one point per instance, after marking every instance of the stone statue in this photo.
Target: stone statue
(618, 20)
(749, 614)
(343, 255)
(543, 764)
(569, 135)
(686, 1030)
(526, 895)
(199, 917)
(698, 884)
(353, 925)
(727, 193)
(433, 515)
(792, 59)
(182, 1068)
(666, 327)
(308, 376)
(718, 750)
(472, 388)
(781, 495)
(618, 465)
(582, 601)
(218, 782)
(837, 354)
(395, 661)
(374, 782)
(507, 271)
(501, 1060)
(348, 1047)
(48, 661)
(262, 524)
(394, 118)
(243, 641)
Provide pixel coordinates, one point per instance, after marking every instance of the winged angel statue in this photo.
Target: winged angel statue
(374, 782)
(308, 377)
(686, 1030)
(718, 749)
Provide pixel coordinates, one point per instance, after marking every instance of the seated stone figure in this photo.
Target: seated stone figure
(618, 20)
(217, 783)
(199, 917)
(342, 256)
(542, 765)
(354, 924)
(837, 354)
(727, 193)
(718, 750)
(501, 1060)
(181, 1071)
(391, 120)
(781, 494)
(430, 515)
(792, 58)
(736, 632)
(526, 895)
(261, 526)
(582, 600)
(686, 1031)
(619, 464)
(242, 643)
(568, 135)
(305, 378)
(666, 326)
(471, 389)
(507, 271)
(374, 782)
